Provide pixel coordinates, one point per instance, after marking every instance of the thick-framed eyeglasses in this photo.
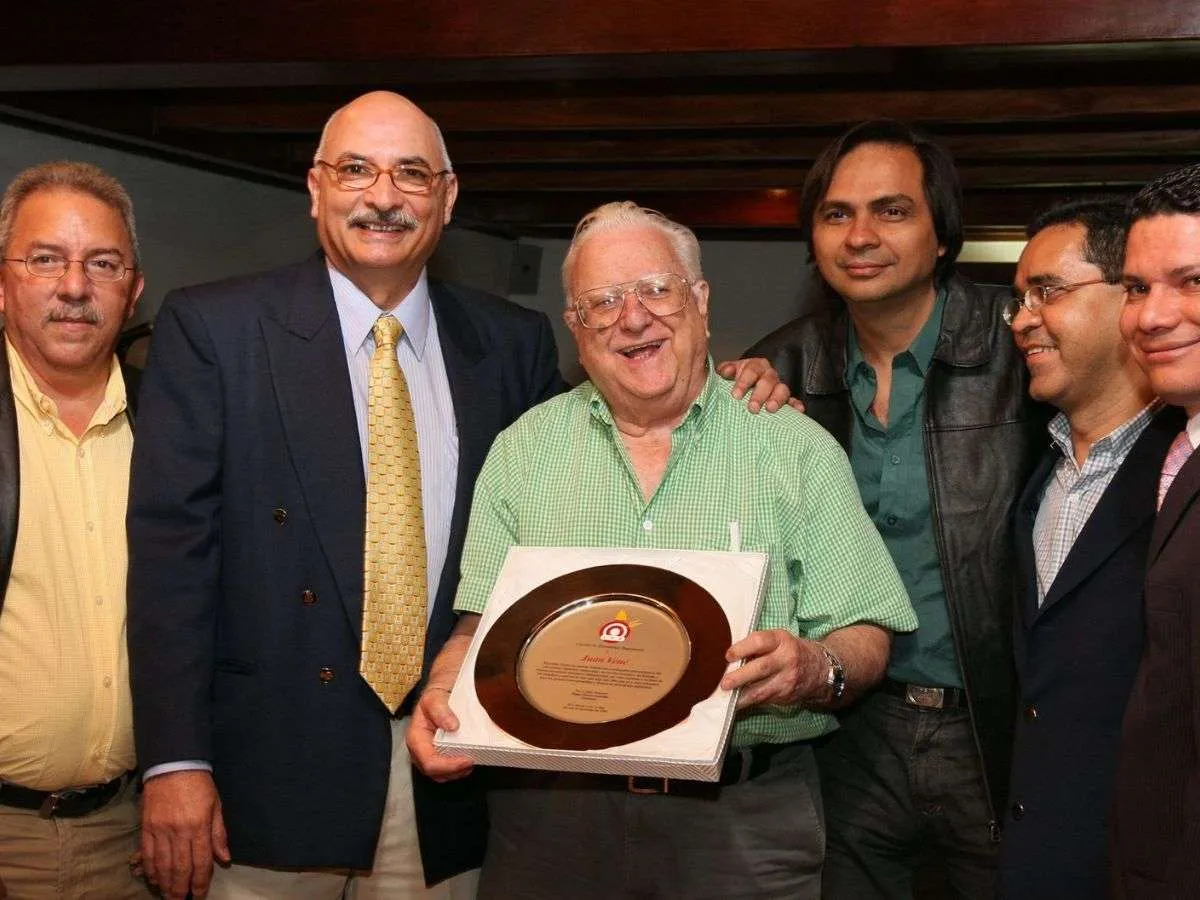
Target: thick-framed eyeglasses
(98, 269)
(358, 175)
(661, 295)
(1039, 295)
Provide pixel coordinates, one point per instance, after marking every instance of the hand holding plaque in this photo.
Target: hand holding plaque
(604, 667)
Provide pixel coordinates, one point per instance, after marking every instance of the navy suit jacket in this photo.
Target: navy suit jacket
(246, 533)
(1156, 826)
(1076, 658)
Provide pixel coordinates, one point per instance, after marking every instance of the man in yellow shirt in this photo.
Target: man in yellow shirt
(69, 281)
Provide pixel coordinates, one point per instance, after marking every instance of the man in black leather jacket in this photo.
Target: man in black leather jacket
(912, 369)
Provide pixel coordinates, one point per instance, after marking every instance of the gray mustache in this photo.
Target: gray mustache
(86, 314)
(397, 216)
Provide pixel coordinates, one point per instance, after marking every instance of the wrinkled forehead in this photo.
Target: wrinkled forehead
(385, 136)
(51, 216)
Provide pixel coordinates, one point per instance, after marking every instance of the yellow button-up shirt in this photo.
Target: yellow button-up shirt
(65, 712)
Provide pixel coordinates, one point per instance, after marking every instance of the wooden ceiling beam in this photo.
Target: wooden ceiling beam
(740, 147)
(829, 109)
(332, 31)
(727, 211)
(762, 177)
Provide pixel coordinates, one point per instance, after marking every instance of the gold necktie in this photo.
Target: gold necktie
(394, 586)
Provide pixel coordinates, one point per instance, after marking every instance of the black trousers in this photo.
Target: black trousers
(555, 836)
(902, 785)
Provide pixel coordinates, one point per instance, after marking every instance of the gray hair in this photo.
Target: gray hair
(73, 176)
(627, 214)
(437, 133)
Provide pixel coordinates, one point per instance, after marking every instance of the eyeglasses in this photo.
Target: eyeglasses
(1039, 295)
(358, 175)
(661, 295)
(98, 269)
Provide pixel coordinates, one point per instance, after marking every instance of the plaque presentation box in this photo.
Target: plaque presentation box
(554, 615)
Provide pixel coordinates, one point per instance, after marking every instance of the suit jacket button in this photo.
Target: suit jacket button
(1018, 811)
(1031, 714)
(308, 598)
(326, 675)
(280, 515)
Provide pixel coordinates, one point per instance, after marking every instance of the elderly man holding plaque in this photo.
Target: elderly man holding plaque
(654, 452)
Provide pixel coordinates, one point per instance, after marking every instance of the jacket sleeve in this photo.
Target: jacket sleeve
(174, 540)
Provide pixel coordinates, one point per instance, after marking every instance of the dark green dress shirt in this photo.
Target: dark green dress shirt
(889, 466)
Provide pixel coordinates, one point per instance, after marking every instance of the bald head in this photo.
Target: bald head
(377, 106)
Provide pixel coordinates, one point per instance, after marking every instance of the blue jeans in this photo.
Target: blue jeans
(900, 785)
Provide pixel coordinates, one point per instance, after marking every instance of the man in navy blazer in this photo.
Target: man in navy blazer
(246, 531)
(1083, 527)
(1156, 817)
(260, 739)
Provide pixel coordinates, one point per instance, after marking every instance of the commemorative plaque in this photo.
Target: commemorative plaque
(602, 656)
(606, 661)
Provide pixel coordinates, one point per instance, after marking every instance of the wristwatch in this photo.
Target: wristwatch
(835, 678)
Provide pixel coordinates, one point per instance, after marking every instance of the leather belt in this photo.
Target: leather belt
(741, 764)
(70, 803)
(923, 697)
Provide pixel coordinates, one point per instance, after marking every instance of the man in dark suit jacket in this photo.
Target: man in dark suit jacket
(246, 530)
(1082, 531)
(1156, 817)
(247, 535)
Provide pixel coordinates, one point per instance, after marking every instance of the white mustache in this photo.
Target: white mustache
(398, 216)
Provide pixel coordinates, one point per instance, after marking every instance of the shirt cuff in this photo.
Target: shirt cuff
(183, 765)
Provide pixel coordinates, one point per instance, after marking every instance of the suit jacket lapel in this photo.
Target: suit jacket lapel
(312, 386)
(1126, 506)
(1179, 499)
(474, 374)
(1027, 509)
(10, 472)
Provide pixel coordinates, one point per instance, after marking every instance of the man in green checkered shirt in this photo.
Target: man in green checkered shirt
(654, 452)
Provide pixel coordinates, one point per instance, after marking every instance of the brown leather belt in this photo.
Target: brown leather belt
(70, 803)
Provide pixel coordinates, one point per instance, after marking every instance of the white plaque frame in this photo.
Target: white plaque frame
(693, 749)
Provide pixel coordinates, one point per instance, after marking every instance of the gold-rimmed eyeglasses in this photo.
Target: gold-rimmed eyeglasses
(661, 295)
(1041, 294)
(409, 177)
(98, 269)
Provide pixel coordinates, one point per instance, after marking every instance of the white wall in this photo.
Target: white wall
(193, 226)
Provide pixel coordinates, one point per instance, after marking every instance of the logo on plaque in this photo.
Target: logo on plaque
(616, 630)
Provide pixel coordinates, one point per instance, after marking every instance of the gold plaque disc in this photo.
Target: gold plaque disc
(602, 660)
(601, 657)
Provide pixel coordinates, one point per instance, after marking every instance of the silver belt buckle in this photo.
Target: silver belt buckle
(925, 697)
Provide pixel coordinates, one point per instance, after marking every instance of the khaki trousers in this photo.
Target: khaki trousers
(396, 873)
(72, 859)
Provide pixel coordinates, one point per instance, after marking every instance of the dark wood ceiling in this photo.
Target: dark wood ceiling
(710, 112)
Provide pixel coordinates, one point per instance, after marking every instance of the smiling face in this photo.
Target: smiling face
(1076, 356)
(873, 236)
(648, 368)
(1161, 318)
(66, 326)
(381, 233)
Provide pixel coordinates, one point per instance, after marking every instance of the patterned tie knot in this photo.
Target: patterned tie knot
(387, 330)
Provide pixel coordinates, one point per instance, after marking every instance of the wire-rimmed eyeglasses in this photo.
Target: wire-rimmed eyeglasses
(1039, 295)
(661, 295)
(98, 269)
(358, 175)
